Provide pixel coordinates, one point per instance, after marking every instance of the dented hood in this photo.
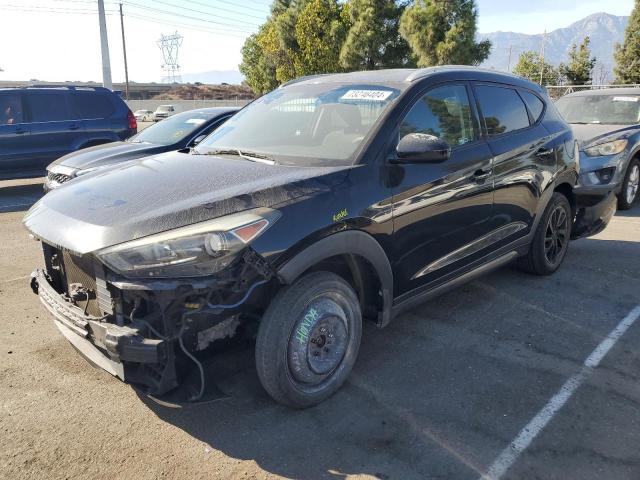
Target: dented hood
(163, 192)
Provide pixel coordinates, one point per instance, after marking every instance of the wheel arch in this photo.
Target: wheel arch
(360, 253)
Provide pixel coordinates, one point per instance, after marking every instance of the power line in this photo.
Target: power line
(216, 7)
(200, 11)
(165, 12)
(185, 25)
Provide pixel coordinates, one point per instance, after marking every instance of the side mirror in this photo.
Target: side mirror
(420, 147)
(197, 140)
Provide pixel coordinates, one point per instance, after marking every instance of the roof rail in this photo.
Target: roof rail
(70, 87)
(302, 79)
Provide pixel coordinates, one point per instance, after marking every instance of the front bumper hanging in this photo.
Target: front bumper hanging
(105, 345)
(593, 214)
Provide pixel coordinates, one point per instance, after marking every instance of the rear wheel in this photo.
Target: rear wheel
(551, 239)
(308, 340)
(630, 186)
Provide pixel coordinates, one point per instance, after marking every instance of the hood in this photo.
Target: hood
(163, 192)
(594, 132)
(106, 154)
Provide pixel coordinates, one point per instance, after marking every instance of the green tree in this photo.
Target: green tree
(443, 32)
(530, 65)
(627, 55)
(580, 67)
(374, 40)
(321, 26)
(258, 68)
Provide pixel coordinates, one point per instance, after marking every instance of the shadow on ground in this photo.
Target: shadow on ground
(634, 211)
(439, 392)
(16, 198)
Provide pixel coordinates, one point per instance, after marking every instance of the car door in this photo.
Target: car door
(14, 136)
(441, 210)
(94, 111)
(524, 158)
(53, 132)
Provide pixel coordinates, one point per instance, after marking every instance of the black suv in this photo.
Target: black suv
(330, 200)
(40, 124)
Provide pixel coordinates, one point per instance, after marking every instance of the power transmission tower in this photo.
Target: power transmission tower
(169, 45)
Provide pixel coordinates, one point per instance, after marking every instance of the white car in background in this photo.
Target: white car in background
(143, 115)
(163, 111)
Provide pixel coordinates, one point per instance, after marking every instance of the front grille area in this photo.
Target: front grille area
(65, 269)
(58, 177)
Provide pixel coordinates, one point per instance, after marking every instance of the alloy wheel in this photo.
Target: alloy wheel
(556, 235)
(632, 184)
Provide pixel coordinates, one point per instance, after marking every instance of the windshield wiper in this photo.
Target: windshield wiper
(251, 156)
(594, 122)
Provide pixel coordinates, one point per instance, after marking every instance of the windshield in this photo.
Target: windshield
(606, 109)
(164, 108)
(318, 124)
(173, 129)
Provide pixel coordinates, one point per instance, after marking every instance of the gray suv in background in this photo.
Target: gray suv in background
(606, 124)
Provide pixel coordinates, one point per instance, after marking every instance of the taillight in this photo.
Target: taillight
(133, 123)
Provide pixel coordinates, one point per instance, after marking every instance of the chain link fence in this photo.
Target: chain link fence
(557, 91)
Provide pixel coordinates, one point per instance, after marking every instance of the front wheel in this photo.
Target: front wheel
(551, 238)
(630, 186)
(308, 340)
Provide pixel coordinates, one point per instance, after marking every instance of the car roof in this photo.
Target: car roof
(605, 91)
(411, 75)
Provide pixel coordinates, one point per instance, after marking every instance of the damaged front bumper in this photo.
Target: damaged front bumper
(594, 212)
(105, 345)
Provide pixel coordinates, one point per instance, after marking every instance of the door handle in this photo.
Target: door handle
(74, 127)
(481, 175)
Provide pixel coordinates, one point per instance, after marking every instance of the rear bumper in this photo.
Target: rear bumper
(106, 345)
(594, 214)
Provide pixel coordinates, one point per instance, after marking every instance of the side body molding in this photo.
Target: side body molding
(351, 242)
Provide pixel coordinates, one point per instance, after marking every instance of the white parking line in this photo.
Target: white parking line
(510, 454)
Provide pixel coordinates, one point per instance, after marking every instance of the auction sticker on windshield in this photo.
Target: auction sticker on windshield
(196, 121)
(367, 95)
(625, 99)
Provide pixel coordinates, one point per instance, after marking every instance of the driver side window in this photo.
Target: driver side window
(444, 112)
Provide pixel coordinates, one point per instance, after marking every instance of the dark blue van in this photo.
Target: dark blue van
(41, 124)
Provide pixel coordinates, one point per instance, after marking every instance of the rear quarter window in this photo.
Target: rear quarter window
(536, 106)
(502, 108)
(88, 105)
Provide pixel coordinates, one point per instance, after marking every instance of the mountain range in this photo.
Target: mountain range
(604, 31)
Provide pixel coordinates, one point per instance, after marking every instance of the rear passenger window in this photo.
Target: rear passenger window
(534, 103)
(89, 105)
(10, 109)
(502, 108)
(47, 107)
(443, 112)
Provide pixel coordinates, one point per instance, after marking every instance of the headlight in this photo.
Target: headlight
(201, 249)
(609, 148)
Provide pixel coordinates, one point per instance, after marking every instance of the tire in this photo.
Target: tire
(549, 245)
(308, 340)
(630, 186)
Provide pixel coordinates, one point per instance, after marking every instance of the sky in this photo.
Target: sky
(58, 40)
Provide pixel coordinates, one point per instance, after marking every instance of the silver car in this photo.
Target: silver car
(606, 124)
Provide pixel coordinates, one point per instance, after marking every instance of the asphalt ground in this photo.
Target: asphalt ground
(515, 375)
